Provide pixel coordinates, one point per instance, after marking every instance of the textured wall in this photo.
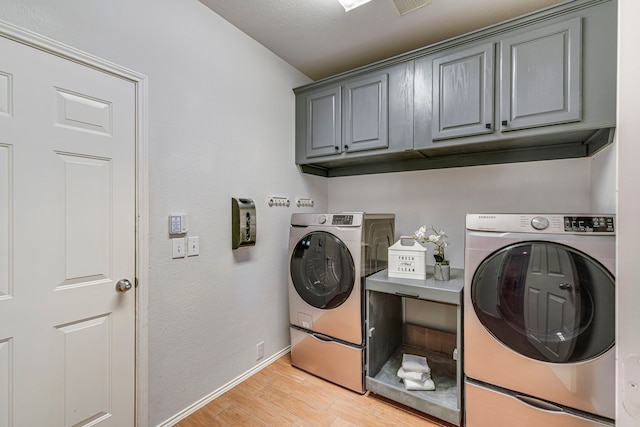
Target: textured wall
(221, 124)
(443, 197)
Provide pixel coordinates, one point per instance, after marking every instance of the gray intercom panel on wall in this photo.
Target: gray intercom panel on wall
(243, 222)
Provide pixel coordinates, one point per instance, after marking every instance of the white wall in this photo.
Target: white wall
(443, 197)
(221, 124)
(628, 199)
(603, 179)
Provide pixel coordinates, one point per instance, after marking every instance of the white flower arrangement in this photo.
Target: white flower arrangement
(437, 238)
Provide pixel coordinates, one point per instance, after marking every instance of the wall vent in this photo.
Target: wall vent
(406, 6)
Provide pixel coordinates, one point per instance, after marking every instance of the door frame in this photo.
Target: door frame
(69, 53)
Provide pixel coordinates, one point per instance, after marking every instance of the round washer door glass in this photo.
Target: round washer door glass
(546, 301)
(322, 270)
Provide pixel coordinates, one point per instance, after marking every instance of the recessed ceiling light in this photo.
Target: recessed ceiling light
(352, 4)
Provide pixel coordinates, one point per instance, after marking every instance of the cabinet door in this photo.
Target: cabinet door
(541, 76)
(366, 113)
(463, 93)
(323, 122)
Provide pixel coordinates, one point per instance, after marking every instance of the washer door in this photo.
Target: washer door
(546, 301)
(322, 270)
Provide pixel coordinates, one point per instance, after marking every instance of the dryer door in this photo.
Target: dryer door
(322, 270)
(546, 301)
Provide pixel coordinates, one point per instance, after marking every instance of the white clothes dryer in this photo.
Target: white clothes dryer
(330, 255)
(539, 320)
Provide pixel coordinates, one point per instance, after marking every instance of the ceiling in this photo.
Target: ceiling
(320, 39)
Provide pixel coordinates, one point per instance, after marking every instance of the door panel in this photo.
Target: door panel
(87, 226)
(324, 122)
(6, 388)
(5, 161)
(86, 346)
(463, 93)
(67, 235)
(366, 114)
(541, 76)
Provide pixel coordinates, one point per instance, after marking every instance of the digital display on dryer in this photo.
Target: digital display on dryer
(589, 224)
(342, 220)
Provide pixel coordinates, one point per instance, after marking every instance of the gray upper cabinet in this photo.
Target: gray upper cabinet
(323, 122)
(538, 87)
(540, 76)
(366, 114)
(463, 93)
(539, 83)
(350, 117)
(347, 117)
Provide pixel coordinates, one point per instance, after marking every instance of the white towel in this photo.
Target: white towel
(413, 363)
(416, 376)
(427, 385)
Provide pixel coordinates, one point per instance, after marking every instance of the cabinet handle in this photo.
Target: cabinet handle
(321, 337)
(532, 401)
(336, 148)
(488, 125)
(402, 294)
(504, 123)
(346, 147)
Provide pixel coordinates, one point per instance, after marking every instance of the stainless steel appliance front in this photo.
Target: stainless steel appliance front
(330, 255)
(539, 318)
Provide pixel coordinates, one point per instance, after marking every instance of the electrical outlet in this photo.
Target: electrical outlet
(260, 350)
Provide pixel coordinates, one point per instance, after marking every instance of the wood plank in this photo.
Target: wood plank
(281, 395)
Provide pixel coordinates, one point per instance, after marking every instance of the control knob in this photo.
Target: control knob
(539, 223)
(322, 219)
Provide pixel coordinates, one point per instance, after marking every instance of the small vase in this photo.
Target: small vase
(441, 271)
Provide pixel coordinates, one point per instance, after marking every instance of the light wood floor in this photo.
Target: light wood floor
(281, 395)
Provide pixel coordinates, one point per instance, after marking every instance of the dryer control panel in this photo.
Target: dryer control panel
(600, 224)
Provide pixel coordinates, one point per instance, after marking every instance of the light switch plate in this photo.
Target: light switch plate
(178, 247)
(193, 246)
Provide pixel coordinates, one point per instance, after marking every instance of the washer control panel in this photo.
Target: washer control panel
(342, 220)
(589, 224)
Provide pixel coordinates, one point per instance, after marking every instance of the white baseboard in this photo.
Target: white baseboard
(217, 393)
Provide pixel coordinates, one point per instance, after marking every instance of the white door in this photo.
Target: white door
(67, 217)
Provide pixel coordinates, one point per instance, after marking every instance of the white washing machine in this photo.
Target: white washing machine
(330, 255)
(539, 320)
